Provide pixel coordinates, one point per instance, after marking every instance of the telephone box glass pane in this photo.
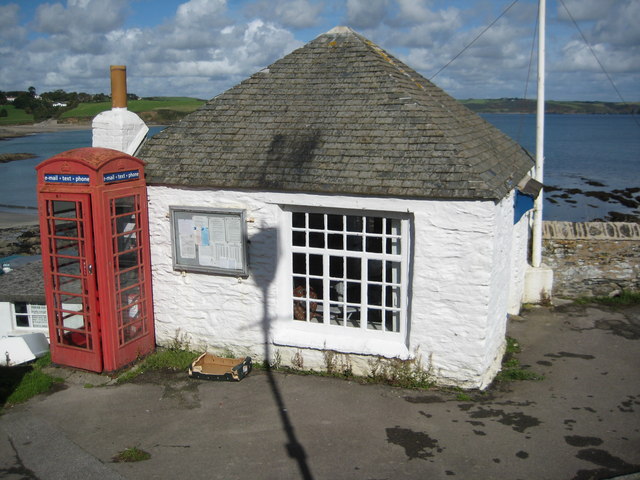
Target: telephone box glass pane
(68, 274)
(127, 251)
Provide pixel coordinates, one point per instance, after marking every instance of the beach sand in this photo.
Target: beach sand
(12, 131)
(15, 220)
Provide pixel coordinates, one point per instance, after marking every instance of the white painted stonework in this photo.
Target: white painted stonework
(118, 129)
(461, 257)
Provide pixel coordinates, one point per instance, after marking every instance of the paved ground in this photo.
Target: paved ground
(581, 422)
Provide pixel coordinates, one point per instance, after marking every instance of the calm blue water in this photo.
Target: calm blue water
(578, 149)
(19, 177)
(581, 149)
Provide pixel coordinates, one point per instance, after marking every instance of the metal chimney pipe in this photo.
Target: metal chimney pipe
(118, 86)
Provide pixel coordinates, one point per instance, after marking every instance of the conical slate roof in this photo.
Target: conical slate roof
(339, 116)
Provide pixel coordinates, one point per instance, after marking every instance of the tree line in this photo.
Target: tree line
(50, 104)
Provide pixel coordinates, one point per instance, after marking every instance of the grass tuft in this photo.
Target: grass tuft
(133, 454)
(20, 383)
(625, 299)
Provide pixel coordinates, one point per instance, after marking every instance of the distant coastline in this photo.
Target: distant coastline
(520, 105)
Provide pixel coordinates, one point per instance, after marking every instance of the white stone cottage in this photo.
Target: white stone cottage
(379, 218)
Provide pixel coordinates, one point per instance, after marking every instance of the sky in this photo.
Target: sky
(200, 48)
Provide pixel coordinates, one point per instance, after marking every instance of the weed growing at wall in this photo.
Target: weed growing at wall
(625, 298)
(178, 356)
(511, 368)
(401, 373)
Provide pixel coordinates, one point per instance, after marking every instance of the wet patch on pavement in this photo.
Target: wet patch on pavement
(522, 454)
(569, 355)
(415, 444)
(627, 405)
(613, 466)
(580, 441)
(518, 421)
(425, 399)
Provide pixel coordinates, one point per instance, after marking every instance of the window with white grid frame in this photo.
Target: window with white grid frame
(350, 270)
(28, 315)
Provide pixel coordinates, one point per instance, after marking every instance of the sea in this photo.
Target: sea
(591, 169)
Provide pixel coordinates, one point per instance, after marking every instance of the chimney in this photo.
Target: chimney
(118, 86)
(119, 128)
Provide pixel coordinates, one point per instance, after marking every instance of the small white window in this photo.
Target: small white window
(27, 315)
(349, 270)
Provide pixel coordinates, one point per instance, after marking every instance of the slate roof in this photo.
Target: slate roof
(339, 116)
(24, 284)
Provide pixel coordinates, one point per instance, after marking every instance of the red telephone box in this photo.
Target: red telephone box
(92, 204)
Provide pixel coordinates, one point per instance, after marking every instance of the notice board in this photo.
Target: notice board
(209, 240)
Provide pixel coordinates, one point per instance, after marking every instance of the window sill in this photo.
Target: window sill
(319, 337)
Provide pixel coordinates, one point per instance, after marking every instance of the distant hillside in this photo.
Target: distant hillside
(519, 105)
(153, 110)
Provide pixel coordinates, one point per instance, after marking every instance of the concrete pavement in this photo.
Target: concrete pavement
(581, 422)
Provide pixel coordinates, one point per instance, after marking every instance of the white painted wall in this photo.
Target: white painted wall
(519, 263)
(6, 319)
(461, 258)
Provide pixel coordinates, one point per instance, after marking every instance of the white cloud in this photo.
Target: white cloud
(366, 13)
(289, 13)
(86, 16)
(10, 31)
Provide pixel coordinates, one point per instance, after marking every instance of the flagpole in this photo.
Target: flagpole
(536, 247)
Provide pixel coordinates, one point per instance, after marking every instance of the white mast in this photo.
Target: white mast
(536, 247)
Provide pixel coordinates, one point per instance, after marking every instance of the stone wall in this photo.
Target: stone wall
(592, 258)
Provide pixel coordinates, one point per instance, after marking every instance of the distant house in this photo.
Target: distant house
(379, 216)
(22, 301)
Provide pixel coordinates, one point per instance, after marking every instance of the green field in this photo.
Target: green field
(14, 116)
(175, 104)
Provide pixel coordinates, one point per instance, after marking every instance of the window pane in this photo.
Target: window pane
(335, 223)
(354, 224)
(374, 225)
(374, 293)
(66, 228)
(392, 298)
(22, 320)
(353, 268)
(354, 243)
(392, 321)
(315, 265)
(393, 272)
(64, 209)
(336, 241)
(20, 307)
(298, 239)
(336, 267)
(316, 221)
(124, 205)
(374, 319)
(297, 219)
(393, 246)
(353, 292)
(299, 263)
(316, 240)
(374, 270)
(374, 244)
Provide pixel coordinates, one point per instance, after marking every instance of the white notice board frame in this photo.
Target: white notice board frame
(209, 240)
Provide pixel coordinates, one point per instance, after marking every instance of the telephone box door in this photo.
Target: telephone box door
(130, 333)
(69, 266)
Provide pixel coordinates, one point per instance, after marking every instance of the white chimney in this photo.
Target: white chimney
(119, 128)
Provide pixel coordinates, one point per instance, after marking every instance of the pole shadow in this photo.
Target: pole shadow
(263, 273)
